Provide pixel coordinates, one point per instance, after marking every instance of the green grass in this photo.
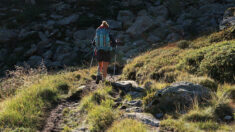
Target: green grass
(100, 118)
(127, 125)
(203, 57)
(29, 107)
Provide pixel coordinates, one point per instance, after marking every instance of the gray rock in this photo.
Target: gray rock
(182, 93)
(126, 17)
(48, 54)
(144, 118)
(228, 118)
(159, 115)
(134, 109)
(160, 32)
(127, 86)
(42, 36)
(136, 103)
(61, 42)
(153, 39)
(141, 24)
(6, 35)
(228, 19)
(68, 20)
(3, 53)
(135, 2)
(114, 24)
(142, 13)
(55, 16)
(18, 50)
(142, 44)
(26, 35)
(87, 34)
(31, 51)
(135, 94)
(173, 37)
(158, 11)
(35, 61)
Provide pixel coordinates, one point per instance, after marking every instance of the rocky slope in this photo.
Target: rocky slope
(59, 32)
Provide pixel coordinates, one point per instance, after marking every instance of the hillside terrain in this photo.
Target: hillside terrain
(176, 72)
(59, 31)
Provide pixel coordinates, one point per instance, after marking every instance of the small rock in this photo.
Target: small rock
(145, 118)
(228, 118)
(136, 103)
(141, 24)
(134, 109)
(159, 115)
(114, 24)
(68, 20)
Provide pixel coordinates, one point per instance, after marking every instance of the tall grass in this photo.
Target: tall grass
(29, 107)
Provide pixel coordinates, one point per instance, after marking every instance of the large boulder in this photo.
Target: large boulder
(141, 24)
(87, 34)
(179, 94)
(68, 20)
(6, 35)
(35, 61)
(126, 17)
(127, 86)
(114, 24)
(158, 11)
(228, 19)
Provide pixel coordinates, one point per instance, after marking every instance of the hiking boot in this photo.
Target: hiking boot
(98, 78)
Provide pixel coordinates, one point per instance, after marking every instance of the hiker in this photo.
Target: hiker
(104, 43)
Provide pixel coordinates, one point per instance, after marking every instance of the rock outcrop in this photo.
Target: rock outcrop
(180, 94)
(228, 19)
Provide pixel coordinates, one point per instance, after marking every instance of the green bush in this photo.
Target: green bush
(183, 44)
(100, 118)
(227, 34)
(217, 61)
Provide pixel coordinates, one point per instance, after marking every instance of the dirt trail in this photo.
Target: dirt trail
(56, 115)
(55, 118)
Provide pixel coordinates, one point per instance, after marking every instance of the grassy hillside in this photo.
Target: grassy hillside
(209, 61)
(31, 95)
(211, 55)
(27, 95)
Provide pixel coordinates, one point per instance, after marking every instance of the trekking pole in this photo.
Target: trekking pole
(92, 58)
(115, 59)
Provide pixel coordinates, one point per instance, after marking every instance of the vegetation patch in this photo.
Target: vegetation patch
(100, 118)
(127, 125)
(183, 44)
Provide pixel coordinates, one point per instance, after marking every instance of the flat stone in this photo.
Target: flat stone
(144, 118)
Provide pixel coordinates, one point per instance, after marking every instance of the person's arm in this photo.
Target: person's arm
(93, 42)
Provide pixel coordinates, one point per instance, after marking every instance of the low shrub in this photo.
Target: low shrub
(217, 61)
(209, 125)
(183, 44)
(176, 126)
(221, 110)
(100, 118)
(127, 125)
(198, 116)
(227, 34)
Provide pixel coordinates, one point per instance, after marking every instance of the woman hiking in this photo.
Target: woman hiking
(104, 43)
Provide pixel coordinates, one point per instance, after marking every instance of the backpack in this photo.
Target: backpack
(102, 39)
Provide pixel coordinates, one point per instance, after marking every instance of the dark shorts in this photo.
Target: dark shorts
(103, 56)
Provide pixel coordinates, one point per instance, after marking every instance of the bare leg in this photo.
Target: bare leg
(105, 67)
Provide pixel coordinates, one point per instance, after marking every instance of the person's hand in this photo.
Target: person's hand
(119, 43)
